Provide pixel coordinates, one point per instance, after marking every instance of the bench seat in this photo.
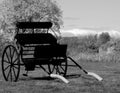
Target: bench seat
(41, 38)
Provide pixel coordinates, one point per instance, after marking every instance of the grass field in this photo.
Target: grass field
(103, 64)
(39, 82)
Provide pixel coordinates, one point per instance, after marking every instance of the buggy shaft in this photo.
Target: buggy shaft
(77, 65)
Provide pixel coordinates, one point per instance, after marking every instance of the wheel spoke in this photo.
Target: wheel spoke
(14, 72)
(16, 67)
(11, 74)
(12, 54)
(15, 60)
(7, 56)
(6, 68)
(52, 68)
(57, 70)
(8, 73)
(6, 61)
(62, 68)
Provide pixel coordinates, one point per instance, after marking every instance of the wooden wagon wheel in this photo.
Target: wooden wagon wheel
(58, 67)
(10, 63)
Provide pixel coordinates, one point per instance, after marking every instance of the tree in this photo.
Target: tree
(13, 11)
(103, 38)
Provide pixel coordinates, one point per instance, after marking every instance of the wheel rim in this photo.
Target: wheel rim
(10, 63)
(58, 68)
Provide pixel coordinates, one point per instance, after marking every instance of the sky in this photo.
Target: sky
(91, 14)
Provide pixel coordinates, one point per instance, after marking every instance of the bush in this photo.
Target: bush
(81, 44)
(103, 38)
(4, 40)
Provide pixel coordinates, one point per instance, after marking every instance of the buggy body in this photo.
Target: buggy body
(35, 48)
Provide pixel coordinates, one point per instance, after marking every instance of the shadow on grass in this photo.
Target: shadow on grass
(71, 76)
(48, 78)
(89, 78)
(42, 78)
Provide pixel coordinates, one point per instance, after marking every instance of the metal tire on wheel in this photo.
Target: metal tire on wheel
(10, 63)
(58, 67)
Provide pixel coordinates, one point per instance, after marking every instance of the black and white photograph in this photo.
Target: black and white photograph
(59, 46)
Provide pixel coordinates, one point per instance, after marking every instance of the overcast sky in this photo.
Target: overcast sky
(91, 14)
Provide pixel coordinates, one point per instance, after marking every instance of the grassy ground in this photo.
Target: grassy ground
(39, 82)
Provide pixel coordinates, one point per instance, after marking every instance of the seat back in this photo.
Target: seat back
(41, 38)
(33, 25)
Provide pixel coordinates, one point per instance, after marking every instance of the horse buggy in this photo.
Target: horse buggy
(33, 50)
(35, 47)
